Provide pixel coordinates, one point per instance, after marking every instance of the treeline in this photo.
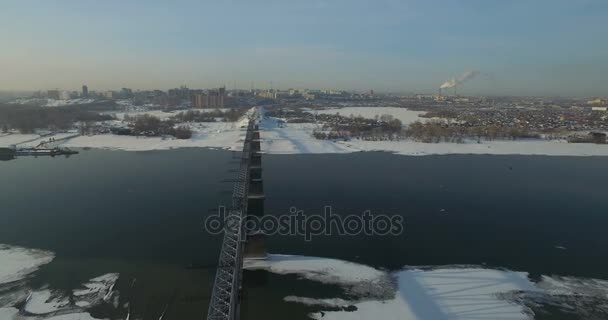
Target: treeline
(26, 119)
(386, 127)
(230, 115)
(439, 131)
(446, 114)
(295, 115)
(338, 127)
(148, 125)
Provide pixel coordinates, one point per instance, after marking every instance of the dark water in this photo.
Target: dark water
(141, 214)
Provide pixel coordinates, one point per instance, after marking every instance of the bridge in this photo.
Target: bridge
(247, 199)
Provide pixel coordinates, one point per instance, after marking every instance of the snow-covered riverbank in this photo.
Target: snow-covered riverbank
(296, 138)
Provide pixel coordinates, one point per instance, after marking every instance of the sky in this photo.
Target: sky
(519, 47)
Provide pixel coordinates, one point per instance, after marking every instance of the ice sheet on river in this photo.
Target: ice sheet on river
(438, 293)
(18, 264)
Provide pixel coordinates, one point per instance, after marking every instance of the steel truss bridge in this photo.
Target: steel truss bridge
(226, 294)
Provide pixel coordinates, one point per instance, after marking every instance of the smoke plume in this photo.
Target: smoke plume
(457, 81)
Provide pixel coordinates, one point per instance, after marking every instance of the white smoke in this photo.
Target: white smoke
(457, 81)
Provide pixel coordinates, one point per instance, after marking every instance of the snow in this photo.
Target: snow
(73, 316)
(53, 102)
(13, 314)
(163, 115)
(60, 103)
(14, 139)
(497, 147)
(323, 270)
(404, 115)
(557, 285)
(156, 113)
(331, 303)
(443, 293)
(56, 136)
(8, 313)
(453, 293)
(42, 302)
(222, 135)
(420, 293)
(294, 139)
(93, 292)
(100, 287)
(18, 263)
(297, 138)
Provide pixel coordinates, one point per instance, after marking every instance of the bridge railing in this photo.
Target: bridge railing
(224, 304)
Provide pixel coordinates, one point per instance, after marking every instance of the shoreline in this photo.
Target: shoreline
(281, 137)
(297, 141)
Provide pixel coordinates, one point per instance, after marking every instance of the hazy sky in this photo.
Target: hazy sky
(520, 46)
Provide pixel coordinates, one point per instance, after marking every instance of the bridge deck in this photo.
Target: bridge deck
(225, 298)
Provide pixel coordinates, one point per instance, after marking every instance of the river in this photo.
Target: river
(140, 214)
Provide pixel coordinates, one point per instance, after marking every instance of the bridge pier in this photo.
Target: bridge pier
(239, 243)
(255, 246)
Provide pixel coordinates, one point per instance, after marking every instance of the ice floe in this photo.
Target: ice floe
(18, 300)
(48, 304)
(438, 293)
(358, 279)
(404, 115)
(98, 287)
(18, 263)
(331, 303)
(45, 301)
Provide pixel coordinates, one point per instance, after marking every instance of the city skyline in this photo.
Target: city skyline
(518, 47)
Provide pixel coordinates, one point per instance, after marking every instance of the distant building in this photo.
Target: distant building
(270, 94)
(198, 100)
(126, 93)
(109, 95)
(182, 93)
(599, 108)
(53, 94)
(213, 99)
(64, 95)
(308, 96)
(85, 91)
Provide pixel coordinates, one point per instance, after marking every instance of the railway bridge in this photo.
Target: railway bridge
(238, 244)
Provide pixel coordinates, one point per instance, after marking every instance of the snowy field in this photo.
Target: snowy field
(220, 135)
(498, 147)
(296, 138)
(404, 115)
(53, 102)
(163, 115)
(16, 139)
(438, 293)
